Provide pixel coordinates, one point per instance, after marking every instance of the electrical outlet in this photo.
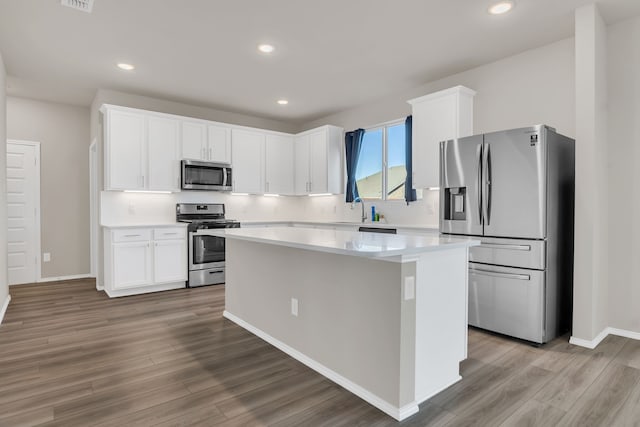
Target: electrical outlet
(294, 306)
(132, 209)
(46, 257)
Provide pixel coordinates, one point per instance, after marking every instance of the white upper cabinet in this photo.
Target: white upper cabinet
(194, 141)
(248, 159)
(302, 164)
(205, 142)
(125, 140)
(437, 117)
(318, 156)
(141, 151)
(163, 153)
(279, 164)
(219, 144)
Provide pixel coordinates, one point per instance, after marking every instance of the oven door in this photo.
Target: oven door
(206, 176)
(205, 251)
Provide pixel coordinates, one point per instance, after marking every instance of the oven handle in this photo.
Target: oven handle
(216, 272)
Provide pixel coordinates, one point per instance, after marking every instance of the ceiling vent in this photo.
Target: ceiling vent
(83, 5)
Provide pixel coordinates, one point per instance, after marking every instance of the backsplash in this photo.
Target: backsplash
(140, 208)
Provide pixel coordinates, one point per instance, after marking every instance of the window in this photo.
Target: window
(381, 164)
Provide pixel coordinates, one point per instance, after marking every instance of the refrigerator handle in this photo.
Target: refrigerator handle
(486, 173)
(479, 184)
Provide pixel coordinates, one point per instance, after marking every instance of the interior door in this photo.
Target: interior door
(22, 202)
(514, 183)
(460, 186)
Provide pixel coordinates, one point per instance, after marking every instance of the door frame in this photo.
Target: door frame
(38, 243)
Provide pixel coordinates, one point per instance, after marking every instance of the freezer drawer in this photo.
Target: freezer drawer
(507, 300)
(510, 252)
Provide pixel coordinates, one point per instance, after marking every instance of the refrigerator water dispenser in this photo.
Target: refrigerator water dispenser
(455, 203)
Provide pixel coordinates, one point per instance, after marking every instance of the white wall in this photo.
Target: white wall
(4, 287)
(590, 261)
(624, 174)
(63, 133)
(536, 86)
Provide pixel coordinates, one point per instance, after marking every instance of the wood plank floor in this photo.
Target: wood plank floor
(70, 356)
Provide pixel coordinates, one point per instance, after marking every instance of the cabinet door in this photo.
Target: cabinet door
(279, 164)
(219, 144)
(162, 149)
(169, 261)
(248, 158)
(302, 153)
(131, 264)
(318, 162)
(433, 121)
(124, 147)
(194, 141)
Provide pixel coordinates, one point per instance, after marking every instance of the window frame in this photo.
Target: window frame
(385, 157)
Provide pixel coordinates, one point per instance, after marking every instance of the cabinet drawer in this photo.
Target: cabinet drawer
(131, 235)
(169, 233)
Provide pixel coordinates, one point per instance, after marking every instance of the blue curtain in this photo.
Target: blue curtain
(409, 192)
(353, 144)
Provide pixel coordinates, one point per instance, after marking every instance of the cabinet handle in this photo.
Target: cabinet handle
(267, 187)
(132, 235)
(203, 154)
(143, 181)
(168, 234)
(210, 153)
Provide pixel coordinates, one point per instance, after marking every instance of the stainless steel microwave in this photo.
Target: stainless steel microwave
(207, 176)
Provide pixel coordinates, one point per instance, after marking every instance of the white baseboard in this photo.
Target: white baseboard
(114, 293)
(624, 333)
(399, 413)
(602, 335)
(60, 278)
(3, 310)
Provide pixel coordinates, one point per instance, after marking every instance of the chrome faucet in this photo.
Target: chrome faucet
(358, 199)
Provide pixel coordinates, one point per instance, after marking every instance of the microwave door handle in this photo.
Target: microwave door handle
(224, 176)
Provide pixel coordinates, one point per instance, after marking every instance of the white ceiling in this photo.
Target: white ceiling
(331, 54)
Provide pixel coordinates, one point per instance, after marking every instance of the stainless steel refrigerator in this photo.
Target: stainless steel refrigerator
(514, 189)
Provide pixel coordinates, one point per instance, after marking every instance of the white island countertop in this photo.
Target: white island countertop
(370, 245)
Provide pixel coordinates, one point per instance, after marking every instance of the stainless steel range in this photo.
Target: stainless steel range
(206, 253)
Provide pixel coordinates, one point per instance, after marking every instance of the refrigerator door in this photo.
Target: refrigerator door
(514, 183)
(507, 300)
(461, 186)
(510, 252)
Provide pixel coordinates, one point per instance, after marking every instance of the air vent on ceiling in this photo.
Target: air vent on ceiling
(83, 5)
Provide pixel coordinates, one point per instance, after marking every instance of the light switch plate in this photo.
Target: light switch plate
(409, 288)
(294, 306)
(46, 257)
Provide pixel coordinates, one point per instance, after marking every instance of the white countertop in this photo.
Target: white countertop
(370, 245)
(419, 227)
(146, 225)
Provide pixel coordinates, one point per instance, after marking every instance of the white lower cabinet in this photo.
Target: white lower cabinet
(165, 267)
(141, 260)
(131, 264)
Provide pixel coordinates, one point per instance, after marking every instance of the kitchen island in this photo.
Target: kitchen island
(384, 316)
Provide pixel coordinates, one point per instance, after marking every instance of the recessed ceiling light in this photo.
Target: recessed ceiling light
(501, 7)
(126, 67)
(266, 48)
(283, 101)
